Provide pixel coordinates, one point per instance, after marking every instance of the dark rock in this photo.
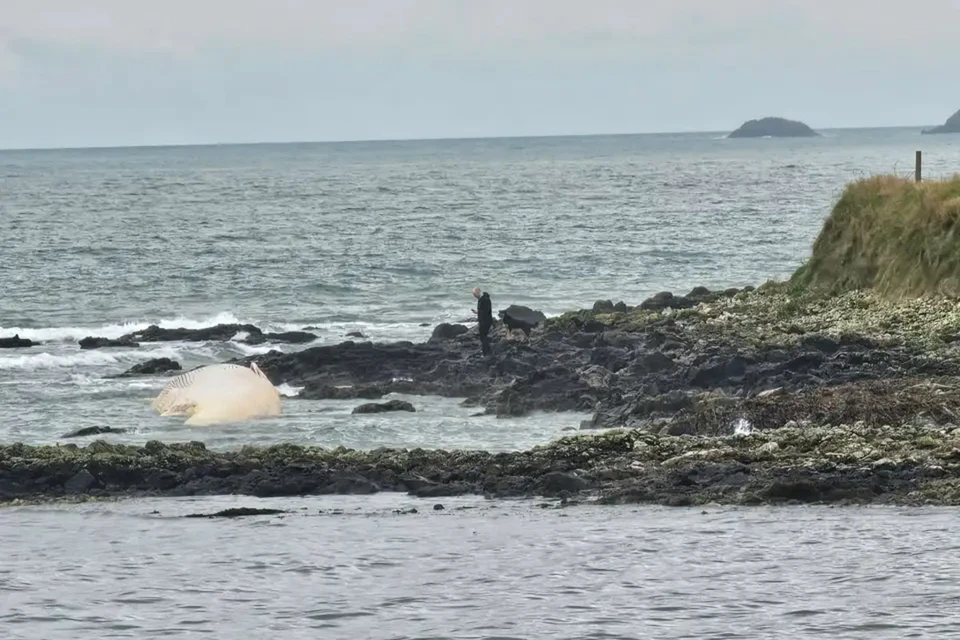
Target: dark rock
(101, 343)
(319, 391)
(557, 482)
(773, 128)
(151, 367)
(603, 306)
(288, 337)
(218, 333)
(524, 314)
(438, 507)
(383, 407)
(355, 334)
(447, 331)
(92, 431)
(16, 342)
(237, 512)
(952, 125)
(81, 482)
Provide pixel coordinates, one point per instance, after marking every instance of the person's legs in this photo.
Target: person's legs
(485, 343)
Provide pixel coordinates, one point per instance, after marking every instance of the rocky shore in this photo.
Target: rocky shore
(910, 465)
(699, 364)
(750, 396)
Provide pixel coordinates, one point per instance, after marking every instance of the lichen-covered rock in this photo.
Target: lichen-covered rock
(855, 463)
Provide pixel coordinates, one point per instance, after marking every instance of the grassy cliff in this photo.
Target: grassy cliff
(891, 236)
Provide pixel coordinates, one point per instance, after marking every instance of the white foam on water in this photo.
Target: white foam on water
(113, 331)
(32, 360)
(288, 391)
(742, 427)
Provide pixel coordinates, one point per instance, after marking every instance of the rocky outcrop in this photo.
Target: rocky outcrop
(385, 407)
(16, 342)
(445, 331)
(773, 128)
(91, 342)
(151, 367)
(909, 465)
(218, 333)
(93, 431)
(952, 125)
(672, 364)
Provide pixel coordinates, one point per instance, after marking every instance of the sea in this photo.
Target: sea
(389, 239)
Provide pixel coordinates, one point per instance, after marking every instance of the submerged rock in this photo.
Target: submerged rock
(383, 407)
(93, 431)
(237, 512)
(151, 367)
(218, 333)
(91, 342)
(16, 342)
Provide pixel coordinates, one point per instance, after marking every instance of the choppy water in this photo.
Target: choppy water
(476, 570)
(381, 237)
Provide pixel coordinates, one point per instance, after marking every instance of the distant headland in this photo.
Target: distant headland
(952, 125)
(774, 128)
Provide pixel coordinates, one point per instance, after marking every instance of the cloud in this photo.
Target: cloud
(478, 27)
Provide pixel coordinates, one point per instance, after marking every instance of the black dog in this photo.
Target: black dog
(512, 324)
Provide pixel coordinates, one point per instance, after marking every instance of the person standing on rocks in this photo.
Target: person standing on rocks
(484, 313)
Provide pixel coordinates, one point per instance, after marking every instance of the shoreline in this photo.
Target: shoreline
(855, 464)
(744, 397)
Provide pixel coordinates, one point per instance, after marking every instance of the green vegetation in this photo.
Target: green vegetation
(892, 236)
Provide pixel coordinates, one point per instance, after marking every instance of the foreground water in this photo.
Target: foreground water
(385, 238)
(349, 568)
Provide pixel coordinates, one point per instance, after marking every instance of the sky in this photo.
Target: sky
(77, 73)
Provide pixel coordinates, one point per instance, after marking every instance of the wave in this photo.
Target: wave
(327, 331)
(113, 331)
(76, 359)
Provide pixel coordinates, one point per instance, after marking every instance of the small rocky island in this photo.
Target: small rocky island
(952, 125)
(773, 128)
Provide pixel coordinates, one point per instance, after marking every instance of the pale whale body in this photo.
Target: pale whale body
(219, 393)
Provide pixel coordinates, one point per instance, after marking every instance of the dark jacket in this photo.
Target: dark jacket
(484, 312)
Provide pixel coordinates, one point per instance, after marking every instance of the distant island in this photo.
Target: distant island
(774, 128)
(952, 125)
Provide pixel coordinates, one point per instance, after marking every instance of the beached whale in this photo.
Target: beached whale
(219, 393)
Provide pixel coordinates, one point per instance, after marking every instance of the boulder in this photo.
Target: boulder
(151, 367)
(384, 407)
(16, 342)
(91, 342)
(446, 331)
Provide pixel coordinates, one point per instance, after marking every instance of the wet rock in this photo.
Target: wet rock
(238, 512)
(288, 337)
(355, 334)
(383, 407)
(103, 343)
(557, 482)
(320, 391)
(16, 342)
(81, 482)
(218, 333)
(447, 331)
(93, 431)
(151, 367)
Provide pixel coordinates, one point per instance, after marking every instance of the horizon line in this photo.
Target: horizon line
(422, 139)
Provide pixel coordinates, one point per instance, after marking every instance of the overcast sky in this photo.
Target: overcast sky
(127, 72)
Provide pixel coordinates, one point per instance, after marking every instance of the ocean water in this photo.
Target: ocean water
(339, 568)
(389, 239)
(383, 238)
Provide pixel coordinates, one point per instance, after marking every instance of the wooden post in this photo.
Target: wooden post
(918, 172)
